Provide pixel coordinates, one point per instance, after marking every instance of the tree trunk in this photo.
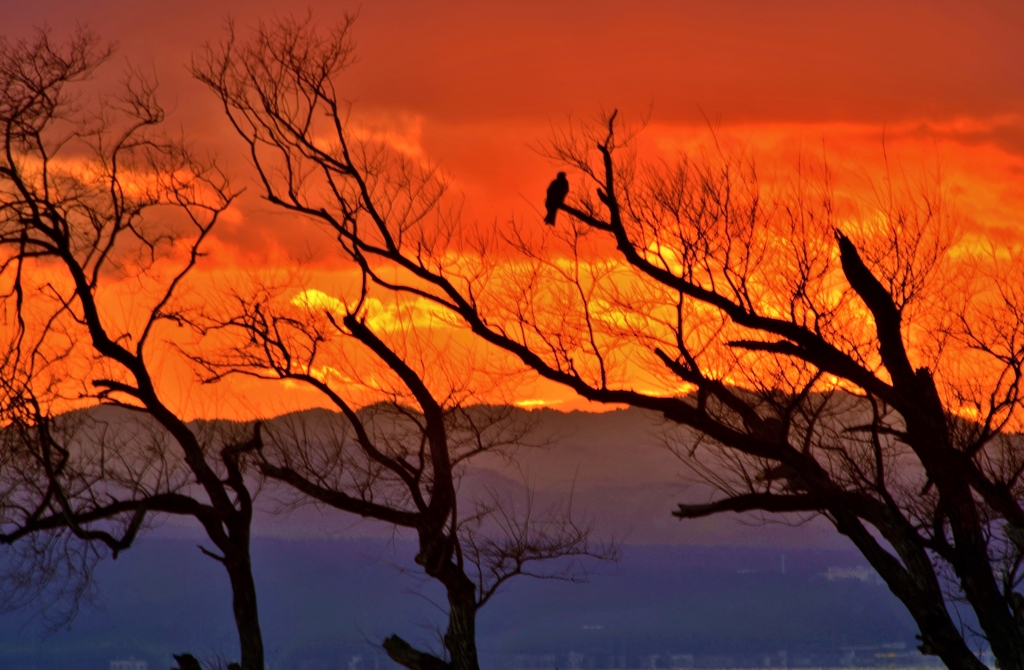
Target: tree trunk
(978, 582)
(933, 444)
(247, 620)
(914, 583)
(460, 638)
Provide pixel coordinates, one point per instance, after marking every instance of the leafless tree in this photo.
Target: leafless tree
(855, 364)
(94, 194)
(400, 460)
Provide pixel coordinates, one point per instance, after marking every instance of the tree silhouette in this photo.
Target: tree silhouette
(92, 192)
(399, 461)
(876, 385)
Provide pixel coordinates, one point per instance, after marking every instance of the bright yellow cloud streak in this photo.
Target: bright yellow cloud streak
(399, 314)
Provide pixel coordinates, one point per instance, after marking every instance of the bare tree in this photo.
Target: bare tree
(824, 361)
(809, 382)
(400, 460)
(95, 195)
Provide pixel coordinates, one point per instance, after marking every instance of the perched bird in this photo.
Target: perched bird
(557, 191)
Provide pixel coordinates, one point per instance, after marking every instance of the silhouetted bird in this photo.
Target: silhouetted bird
(557, 191)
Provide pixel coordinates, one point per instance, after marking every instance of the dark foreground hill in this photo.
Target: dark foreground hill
(327, 603)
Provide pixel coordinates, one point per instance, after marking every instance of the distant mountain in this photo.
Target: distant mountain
(616, 465)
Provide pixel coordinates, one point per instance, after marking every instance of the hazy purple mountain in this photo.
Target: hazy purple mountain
(619, 471)
(614, 467)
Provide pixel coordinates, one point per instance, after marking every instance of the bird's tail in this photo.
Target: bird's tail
(550, 219)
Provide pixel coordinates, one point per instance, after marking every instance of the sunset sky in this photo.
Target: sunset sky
(478, 87)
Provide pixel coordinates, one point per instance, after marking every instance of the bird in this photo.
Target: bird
(557, 191)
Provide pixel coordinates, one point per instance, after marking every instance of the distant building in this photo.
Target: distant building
(130, 664)
(861, 573)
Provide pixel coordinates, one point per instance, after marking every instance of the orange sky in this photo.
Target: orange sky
(477, 86)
